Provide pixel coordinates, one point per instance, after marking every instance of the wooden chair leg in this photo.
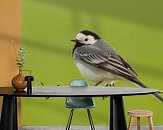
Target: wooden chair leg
(150, 123)
(130, 123)
(138, 123)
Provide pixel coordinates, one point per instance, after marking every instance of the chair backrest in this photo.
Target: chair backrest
(79, 102)
(78, 83)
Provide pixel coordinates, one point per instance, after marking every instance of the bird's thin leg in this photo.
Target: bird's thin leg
(112, 85)
(104, 97)
(98, 83)
(107, 85)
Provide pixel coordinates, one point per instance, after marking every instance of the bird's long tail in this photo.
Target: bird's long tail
(144, 86)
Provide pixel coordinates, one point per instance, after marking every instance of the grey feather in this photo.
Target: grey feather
(103, 56)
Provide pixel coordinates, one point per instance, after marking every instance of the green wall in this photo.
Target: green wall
(133, 27)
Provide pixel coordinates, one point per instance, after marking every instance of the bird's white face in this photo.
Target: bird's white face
(85, 39)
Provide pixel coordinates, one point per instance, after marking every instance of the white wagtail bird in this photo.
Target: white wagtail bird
(99, 62)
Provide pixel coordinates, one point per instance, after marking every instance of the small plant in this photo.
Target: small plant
(20, 58)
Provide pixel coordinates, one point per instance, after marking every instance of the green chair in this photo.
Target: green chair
(79, 103)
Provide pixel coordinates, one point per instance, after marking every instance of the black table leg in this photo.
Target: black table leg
(9, 113)
(117, 114)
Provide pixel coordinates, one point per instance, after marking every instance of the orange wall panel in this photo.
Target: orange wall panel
(9, 30)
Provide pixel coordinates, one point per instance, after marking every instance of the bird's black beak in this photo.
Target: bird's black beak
(74, 40)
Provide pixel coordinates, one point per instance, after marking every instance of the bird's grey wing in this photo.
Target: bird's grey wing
(97, 58)
(107, 48)
(127, 65)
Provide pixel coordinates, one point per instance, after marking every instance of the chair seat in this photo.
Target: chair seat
(140, 113)
(79, 103)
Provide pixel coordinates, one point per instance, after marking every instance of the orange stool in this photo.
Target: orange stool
(138, 114)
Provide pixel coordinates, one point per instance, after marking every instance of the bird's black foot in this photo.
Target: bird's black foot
(98, 83)
(107, 85)
(111, 85)
(104, 97)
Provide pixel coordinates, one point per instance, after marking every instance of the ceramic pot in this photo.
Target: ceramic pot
(18, 82)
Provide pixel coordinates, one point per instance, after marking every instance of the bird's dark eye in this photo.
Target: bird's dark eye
(86, 39)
